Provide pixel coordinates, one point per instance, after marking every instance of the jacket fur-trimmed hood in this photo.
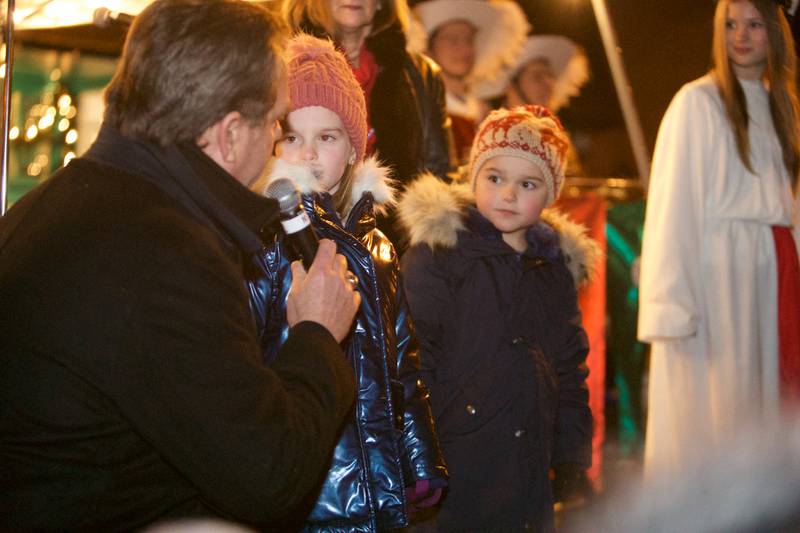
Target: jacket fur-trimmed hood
(369, 176)
(433, 213)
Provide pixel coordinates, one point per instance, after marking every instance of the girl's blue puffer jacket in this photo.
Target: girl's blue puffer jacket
(390, 442)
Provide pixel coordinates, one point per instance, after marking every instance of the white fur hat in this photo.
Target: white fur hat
(501, 24)
(569, 63)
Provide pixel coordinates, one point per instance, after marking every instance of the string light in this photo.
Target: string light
(49, 120)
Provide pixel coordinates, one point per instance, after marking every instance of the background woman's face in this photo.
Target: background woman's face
(352, 15)
(746, 39)
(452, 45)
(536, 81)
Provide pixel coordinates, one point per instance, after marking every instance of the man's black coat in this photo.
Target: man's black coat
(131, 382)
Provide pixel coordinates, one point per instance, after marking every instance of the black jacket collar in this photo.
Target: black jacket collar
(196, 182)
(482, 238)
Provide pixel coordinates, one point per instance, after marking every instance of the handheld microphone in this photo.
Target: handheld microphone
(294, 219)
(105, 18)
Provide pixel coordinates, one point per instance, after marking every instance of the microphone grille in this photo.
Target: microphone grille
(285, 192)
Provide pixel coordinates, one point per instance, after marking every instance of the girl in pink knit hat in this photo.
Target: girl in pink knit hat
(490, 278)
(387, 461)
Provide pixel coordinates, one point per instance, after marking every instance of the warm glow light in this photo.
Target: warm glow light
(71, 112)
(3, 70)
(64, 102)
(385, 252)
(13, 133)
(45, 122)
(34, 169)
(63, 124)
(55, 74)
(69, 157)
(31, 132)
(72, 136)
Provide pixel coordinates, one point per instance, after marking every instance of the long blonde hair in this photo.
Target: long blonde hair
(780, 75)
(342, 200)
(318, 12)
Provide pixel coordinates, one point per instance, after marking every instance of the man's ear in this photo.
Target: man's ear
(219, 141)
(229, 132)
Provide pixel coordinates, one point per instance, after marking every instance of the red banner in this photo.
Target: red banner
(590, 211)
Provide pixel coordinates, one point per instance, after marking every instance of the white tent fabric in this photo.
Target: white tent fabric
(39, 14)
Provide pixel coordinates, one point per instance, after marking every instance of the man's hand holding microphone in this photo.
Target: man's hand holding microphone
(323, 291)
(325, 294)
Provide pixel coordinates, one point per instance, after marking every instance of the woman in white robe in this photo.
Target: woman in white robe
(709, 275)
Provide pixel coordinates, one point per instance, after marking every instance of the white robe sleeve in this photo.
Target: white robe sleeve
(670, 284)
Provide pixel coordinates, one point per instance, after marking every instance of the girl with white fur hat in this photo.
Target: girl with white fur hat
(550, 70)
(472, 41)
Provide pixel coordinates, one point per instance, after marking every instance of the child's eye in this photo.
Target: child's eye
(756, 24)
(529, 185)
(494, 178)
(289, 138)
(730, 24)
(327, 137)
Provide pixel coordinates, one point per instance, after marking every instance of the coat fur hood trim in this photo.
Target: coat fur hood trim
(433, 213)
(369, 176)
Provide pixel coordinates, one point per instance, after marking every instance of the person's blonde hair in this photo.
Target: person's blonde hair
(297, 13)
(780, 75)
(341, 198)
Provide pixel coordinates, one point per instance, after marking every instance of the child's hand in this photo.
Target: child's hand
(425, 493)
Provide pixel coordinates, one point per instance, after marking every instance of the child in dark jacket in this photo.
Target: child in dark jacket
(490, 278)
(387, 459)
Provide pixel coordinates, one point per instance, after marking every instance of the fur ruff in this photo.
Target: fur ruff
(432, 213)
(369, 176)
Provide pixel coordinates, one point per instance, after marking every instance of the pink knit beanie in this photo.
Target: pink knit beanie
(319, 75)
(531, 132)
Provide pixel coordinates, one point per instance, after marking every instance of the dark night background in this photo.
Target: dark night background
(664, 43)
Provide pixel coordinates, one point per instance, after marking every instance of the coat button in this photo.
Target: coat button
(471, 409)
(518, 433)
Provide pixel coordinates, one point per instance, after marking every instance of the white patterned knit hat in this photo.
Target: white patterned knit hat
(530, 132)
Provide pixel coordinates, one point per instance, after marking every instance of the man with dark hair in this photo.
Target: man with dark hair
(132, 387)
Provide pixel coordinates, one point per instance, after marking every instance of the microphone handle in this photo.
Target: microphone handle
(301, 236)
(305, 243)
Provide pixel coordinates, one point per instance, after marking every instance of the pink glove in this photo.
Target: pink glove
(425, 493)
